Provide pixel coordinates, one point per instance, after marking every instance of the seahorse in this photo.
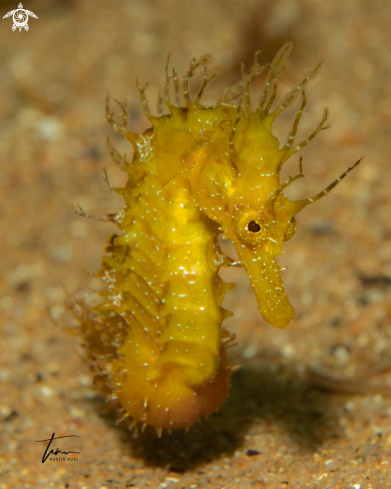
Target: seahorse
(156, 341)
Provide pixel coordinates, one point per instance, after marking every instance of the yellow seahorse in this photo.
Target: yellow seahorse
(156, 340)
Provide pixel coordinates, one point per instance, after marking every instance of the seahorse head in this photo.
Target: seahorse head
(236, 183)
(235, 172)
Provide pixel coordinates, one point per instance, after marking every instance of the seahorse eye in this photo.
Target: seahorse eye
(254, 227)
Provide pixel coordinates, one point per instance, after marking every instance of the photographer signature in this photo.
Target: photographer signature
(57, 451)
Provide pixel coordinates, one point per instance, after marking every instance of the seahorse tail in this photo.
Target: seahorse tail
(163, 396)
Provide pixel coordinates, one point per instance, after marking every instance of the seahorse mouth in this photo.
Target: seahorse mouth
(264, 273)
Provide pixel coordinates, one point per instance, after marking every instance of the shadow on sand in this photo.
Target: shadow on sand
(258, 397)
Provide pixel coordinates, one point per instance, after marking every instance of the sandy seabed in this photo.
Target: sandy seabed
(279, 428)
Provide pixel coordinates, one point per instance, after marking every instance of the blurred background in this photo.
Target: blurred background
(278, 426)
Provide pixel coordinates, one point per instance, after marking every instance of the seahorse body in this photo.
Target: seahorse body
(157, 338)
